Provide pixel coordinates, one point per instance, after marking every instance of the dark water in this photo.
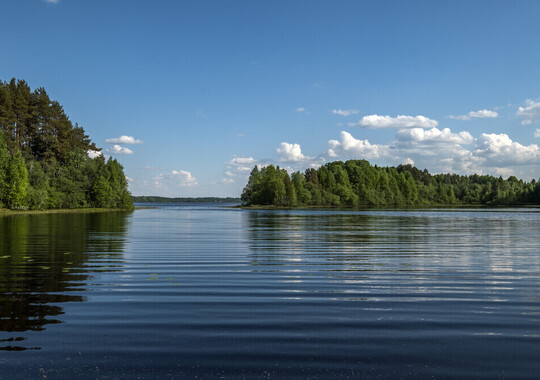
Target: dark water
(202, 291)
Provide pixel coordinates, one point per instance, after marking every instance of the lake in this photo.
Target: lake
(200, 290)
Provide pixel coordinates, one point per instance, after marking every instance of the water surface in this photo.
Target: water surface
(201, 290)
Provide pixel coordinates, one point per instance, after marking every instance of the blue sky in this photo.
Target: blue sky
(190, 95)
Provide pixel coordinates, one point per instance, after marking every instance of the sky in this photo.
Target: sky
(190, 95)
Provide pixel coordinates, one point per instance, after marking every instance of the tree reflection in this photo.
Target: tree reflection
(282, 238)
(47, 259)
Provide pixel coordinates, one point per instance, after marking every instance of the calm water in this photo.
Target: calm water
(196, 290)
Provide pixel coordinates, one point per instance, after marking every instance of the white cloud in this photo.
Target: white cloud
(531, 113)
(484, 114)
(242, 161)
(227, 180)
(401, 121)
(52, 1)
(500, 150)
(300, 109)
(93, 153)
(503, 172)
(344, 112)
(444, 151)
(438, 150)
(433, 136)
(123, 140)
(174, 179)
(290, 152)
(537, 133)
(408, 161)
(185, 178)
(351, 147)
(480, 114)
(117, 149)
(240, 167)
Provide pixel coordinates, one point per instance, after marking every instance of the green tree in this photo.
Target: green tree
(303, 196)
(38, 188)
(17, 183)
(4, 166)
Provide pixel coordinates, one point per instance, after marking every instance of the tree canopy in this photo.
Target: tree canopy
(44, 160)
(358, 183)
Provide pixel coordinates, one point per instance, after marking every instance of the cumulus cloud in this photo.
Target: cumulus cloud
(500, 150)
(408, 161)
(290, 152)
(227, 180)
(174, 179)
(117, 149)
(93, 153)
(351, 147)
(400, 121)
(530, 113)
(480, 114)
(300, 109)
(123, 140)
(433, 136)
(441, 150)
(537, 133)
(52, 1)
(344, 112)
(184, 177)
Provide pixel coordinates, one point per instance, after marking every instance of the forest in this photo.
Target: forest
(44, 161)
(358, 183)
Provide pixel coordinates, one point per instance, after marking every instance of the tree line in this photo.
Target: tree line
(358, 183)
(44, 162)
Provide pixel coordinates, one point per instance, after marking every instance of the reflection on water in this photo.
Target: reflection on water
(186, 291)
(45, 261)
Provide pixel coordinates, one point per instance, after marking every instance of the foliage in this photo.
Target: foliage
(358, 183)
(43, 157)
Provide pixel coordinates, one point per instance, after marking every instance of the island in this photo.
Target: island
(358, 183)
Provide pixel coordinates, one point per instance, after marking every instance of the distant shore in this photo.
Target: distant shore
(157, 199)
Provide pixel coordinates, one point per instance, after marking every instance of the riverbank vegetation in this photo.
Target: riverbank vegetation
(358, 183)
(44, 158)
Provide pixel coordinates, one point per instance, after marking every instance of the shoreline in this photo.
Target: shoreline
(389, 207)
(8, 212)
